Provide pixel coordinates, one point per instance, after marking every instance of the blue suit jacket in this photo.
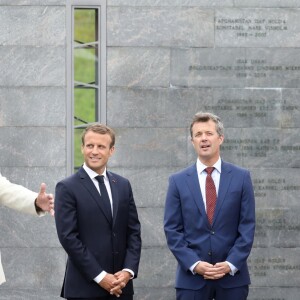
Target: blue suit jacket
(191, 238)
(92, 242)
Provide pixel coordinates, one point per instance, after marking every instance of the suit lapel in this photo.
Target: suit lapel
(89, 185)
(193, 184)
(225, 180)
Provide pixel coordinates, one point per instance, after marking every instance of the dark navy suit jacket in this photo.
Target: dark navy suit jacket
(92, 242)
(191, 238)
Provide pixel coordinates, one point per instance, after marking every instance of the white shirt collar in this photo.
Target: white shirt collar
(201, 167)
(92, 174)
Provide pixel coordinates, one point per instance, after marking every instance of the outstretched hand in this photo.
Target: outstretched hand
(45, 201)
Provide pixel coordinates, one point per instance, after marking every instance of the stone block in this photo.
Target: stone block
(49, 24)
(138, 66)
(33, 2)
(246, 107)
(163, 3)
(24, 230)
(161, 107)
(32, 146)
(32, 66)
(32, 177)
(274, 148)
(157, 268)
(276, 189)
(27, 268)
(152, 227)
(277, 227)
(149, 185)
(273, 293)
(264, 27)
(141, 147)
(46, 105)
(275, 267)
(160, 26)
(290, 108)
(235, 67)
(267, 3)
(157, 293)
(35, 293)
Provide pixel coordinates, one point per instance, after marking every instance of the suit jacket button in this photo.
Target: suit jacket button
(209, 253)
(212, 232)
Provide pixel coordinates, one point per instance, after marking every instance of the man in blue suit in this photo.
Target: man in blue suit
(97, 224)
(209, 220)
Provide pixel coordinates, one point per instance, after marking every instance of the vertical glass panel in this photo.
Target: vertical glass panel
(85, 29)
(84, 106)
(85, 74)
(85, 63)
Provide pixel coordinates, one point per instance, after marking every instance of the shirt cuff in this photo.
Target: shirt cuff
(194, 266)
(232, 268)
(100, 277)
(130, 272)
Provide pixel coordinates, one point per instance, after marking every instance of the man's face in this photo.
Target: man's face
(96, 150)
(206, 142)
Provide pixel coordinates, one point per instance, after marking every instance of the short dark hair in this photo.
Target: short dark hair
(205, 117)
(101, 129)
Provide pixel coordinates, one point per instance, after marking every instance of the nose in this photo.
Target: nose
(94, 150)
(204, 137)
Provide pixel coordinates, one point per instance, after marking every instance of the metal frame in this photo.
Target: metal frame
(101, 107)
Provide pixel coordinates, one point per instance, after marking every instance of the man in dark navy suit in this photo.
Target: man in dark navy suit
(97, 224)
(209, 220)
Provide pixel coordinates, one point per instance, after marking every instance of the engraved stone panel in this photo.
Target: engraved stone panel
(277, 227)
(271, 148)
(257, 27)
(236, 67)
(247, 107)
(149, 26)
(291, 108)
(275, 267)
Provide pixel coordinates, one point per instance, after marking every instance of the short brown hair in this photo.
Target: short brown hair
(101, 129)
(205, 117)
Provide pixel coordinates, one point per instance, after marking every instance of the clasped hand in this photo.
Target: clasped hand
(213, 272)
(114, 283)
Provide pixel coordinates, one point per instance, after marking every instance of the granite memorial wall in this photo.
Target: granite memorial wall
(166, 60)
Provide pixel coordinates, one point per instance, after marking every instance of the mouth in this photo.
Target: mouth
(95, 159)
(205, 147)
